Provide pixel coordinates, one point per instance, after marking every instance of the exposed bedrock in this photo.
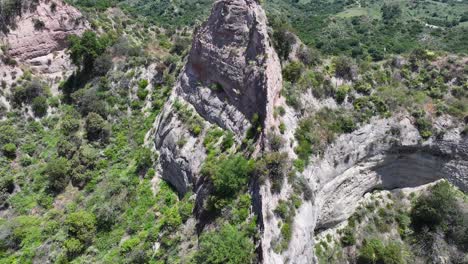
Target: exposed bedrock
(384, 154)
(44, 30)
(232, 73)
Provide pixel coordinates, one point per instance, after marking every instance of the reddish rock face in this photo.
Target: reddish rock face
(44, 30)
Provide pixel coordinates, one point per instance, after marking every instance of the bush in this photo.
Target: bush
(39, 106)
(293, 71)
(341, 93)
(143, 159)
(229, 174)
(73, 247)
(374, 251)
(96, 128)
(363, 87)
(283, 41)
(228, 245)
(424, 126)
(9, 150)
(308, 56)
(436, 208)
(85, 49)
(348, 238)
(274, 165)
(56, 173)
(25, 94)
(69, 124)
(82, 226)
(345, 68)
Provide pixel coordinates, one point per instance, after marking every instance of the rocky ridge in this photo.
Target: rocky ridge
(233, 74)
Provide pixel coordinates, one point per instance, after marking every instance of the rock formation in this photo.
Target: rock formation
(38, 41)
(387, 154)
(44, 30)
(232, 74)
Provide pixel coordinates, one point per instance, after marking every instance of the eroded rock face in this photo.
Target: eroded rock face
(384, 154)
(232, 73)
(38, 42)
(43, 31)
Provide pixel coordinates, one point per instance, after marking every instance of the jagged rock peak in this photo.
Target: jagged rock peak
(232, 74)
(232, 71)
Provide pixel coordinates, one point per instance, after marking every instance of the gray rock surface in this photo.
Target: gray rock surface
(231, 74)
(384, 154)
(232, 71)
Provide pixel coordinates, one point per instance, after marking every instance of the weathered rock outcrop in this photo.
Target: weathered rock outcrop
(384, 154)
(43, 30)
(38, 42)
(232, 73)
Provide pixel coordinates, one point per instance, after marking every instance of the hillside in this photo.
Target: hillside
(233, 131)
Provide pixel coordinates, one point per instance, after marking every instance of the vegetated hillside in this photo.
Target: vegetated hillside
(77, 176)
(356, 28)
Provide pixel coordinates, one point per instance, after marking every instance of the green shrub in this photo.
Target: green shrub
(363, 87)
(39, 106)
(341, 93)
(143, 83)
(293, 71)
(228, 245)
(96, 128)
(9, 150)
(143, 159)
(73, 247)
(425, 127)
(436, 208)
(348, 238)
(229, 174)
(84, 50)
(57, 174)
(274, 165)
(26, 93)
(374, 251)
(286, 232)
(82, 226)
(142, 94)
(345, 68)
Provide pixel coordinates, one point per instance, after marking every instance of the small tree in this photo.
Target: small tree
(96, 128)
(56, 173)
(85, 49)
(82, 226)
(39, 106)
